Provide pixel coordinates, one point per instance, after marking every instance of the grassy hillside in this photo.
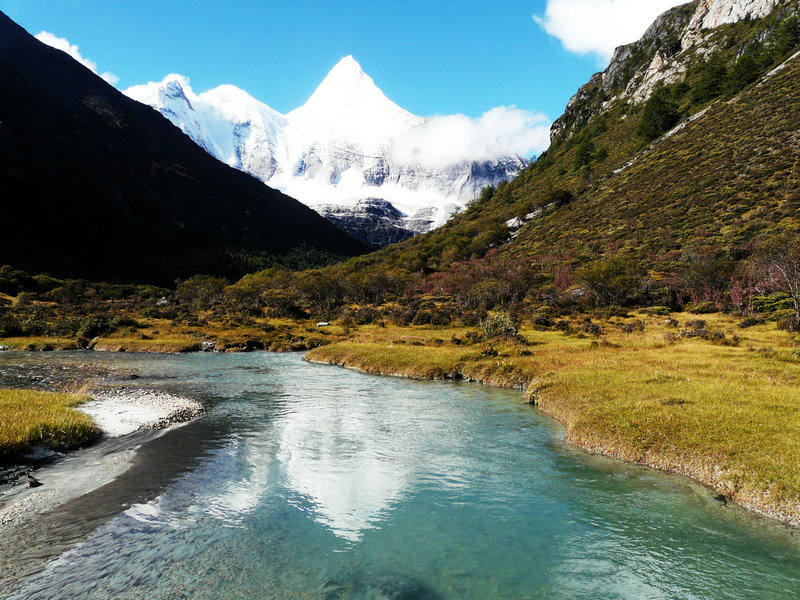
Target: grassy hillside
(723, 180)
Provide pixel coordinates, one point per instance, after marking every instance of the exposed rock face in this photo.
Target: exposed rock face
(372, 220)
(633, 70)
(661, 56)
(713, 13)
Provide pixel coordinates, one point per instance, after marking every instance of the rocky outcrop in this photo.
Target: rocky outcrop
(661, 56)
(373, 220)
(713, 13)
(633, 69)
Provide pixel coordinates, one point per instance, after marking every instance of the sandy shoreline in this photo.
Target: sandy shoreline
(124, 416)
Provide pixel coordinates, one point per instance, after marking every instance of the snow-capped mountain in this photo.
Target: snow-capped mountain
(347, 147)
(226, 122)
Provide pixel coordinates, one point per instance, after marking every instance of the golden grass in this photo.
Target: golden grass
(160, 335)
(167, 343)
(30, 418)
(39, 343)
(729, 415)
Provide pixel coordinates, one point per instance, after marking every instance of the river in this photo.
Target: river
(310, 481)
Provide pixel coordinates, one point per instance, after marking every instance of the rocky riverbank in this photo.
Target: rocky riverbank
(122, 411)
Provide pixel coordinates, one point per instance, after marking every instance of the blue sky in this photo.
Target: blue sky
(429, 57)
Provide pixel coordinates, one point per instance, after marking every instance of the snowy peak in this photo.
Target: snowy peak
(347, 145)
(234, 104)
(347, 73)
(173, 88)
(226, 121)
(345, 84)
(348, 105)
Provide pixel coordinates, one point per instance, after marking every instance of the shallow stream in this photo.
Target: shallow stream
(309, 481)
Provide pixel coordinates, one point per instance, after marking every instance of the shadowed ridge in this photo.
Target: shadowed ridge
(97, 185)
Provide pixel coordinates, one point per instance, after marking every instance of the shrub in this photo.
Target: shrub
(702, 308)
(659, 115)
(63, 327)
(787, 37)
(656, 311)
(472, 318)
(711, 77)
(120, 322)
(92, 327)
(591, 328)
(402, 315)
(498, 325)
(772, 303)
(543, 316)
(613, 281)
(486, 194)
(631, 327)
(9, 326)
(614, 311)
(473, 337)
(563, 325)
(789, 323)
(35, 322)
(753, 61)
(750, 322)
(559, 197)
(365, 315)
(584, 153)
(201, 291)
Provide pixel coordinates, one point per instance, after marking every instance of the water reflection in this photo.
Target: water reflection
(226, 487)
(342, 459)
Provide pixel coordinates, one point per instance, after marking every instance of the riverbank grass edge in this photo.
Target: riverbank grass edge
(725, 411)
(30, 418)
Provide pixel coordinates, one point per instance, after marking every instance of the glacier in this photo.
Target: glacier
(349, 152)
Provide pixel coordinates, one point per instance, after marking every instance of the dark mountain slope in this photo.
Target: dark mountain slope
(97, 185)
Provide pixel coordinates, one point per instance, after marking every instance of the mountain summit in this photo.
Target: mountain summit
(346, 82)
(339, 153)
(348, 107)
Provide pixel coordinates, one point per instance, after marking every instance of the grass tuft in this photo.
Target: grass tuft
(31, 418)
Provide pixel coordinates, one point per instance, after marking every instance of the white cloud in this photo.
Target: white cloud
(445, 140)
(599, 26)
(71, 49)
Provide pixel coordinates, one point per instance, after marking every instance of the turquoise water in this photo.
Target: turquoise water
(308, 481)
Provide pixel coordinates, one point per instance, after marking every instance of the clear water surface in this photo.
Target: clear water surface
(308, 481)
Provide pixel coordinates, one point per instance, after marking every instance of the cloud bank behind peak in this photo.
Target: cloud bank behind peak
(452, 139)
